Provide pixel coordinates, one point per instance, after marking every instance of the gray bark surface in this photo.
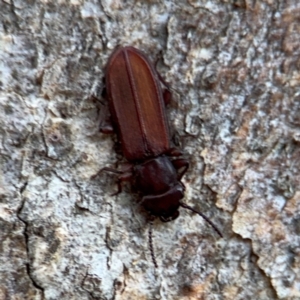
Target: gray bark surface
(235, 70)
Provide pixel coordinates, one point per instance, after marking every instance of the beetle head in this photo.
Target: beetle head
(164, 206)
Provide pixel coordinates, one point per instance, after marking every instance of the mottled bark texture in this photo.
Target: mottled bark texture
(234, 67)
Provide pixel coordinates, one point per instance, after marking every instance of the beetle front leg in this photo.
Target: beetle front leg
(181, 165)
(123, 175)
(106, 169)
(174, 152)
(122, 178)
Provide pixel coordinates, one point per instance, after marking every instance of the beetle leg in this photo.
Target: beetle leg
(106, 169)
(105, 123)
(123, 175)
(181, 165)
(167, 96)
(104, 117)
(125, 168)
(174, 152)
(106, 128)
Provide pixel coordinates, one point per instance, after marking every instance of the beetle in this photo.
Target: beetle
(137, 106)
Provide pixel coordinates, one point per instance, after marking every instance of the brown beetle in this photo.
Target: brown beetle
(137, 106)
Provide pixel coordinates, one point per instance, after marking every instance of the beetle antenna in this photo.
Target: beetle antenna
(203, 216)
(151, 243)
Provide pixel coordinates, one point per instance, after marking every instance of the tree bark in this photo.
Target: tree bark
(234, 69)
